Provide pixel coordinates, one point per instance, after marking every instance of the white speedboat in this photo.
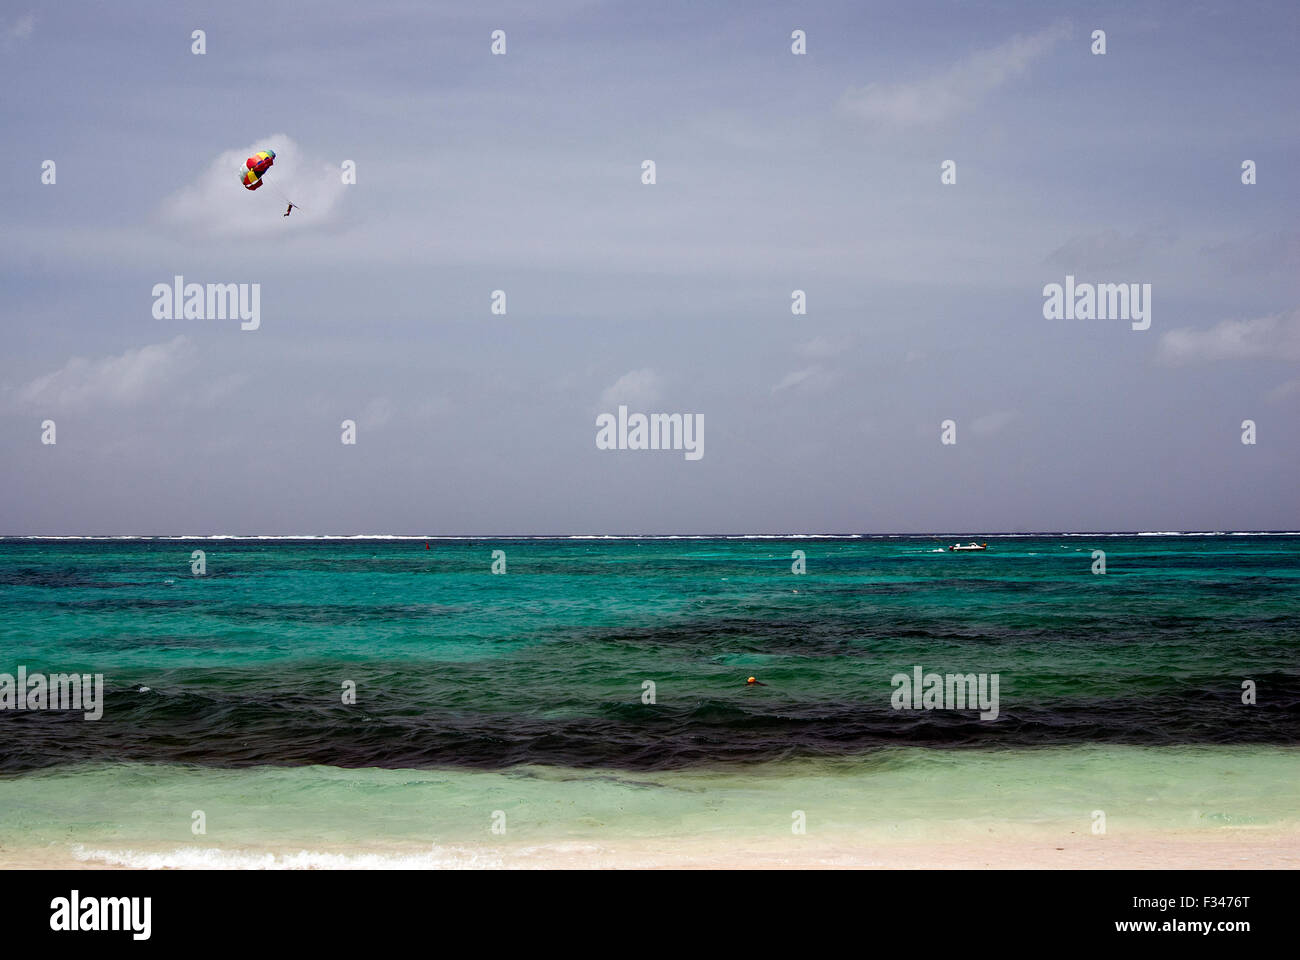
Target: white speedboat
(958, 547)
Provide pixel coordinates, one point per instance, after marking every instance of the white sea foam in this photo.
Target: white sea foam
(215, 858)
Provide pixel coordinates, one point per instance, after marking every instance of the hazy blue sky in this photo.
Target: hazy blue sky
(775, 172)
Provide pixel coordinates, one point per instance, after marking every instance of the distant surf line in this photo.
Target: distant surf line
(661, 536)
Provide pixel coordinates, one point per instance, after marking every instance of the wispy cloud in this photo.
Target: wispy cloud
(378, 412)
(814, 378)
(22, 28)
(1276, 336)
(954, 90)
(636, 388)
(122, 380)
(821, 348)
(993, 423)
(1285, 391)
(1261, 252)
(816, 375)
(1105, 250)
(796, 377)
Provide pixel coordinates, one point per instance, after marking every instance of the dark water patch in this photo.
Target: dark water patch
(330, 613)
(129, 605)
(236, 720)
(152, 642)
(58, 578)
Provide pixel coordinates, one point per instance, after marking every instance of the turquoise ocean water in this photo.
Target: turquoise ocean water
(530, 689)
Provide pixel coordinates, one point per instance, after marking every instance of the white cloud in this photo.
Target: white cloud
(218, 203)
(636, 388)
(1276, 337)
(956, 89)
(122, 380)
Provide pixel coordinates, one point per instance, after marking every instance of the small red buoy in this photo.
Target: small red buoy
(426, 544)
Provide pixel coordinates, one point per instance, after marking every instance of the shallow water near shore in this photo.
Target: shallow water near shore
(142, 815)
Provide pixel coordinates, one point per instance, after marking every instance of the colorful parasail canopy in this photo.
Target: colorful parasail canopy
(256, 166)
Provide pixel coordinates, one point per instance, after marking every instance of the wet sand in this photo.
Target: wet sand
(1230, 848)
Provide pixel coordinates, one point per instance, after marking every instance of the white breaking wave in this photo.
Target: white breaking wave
(214, 858)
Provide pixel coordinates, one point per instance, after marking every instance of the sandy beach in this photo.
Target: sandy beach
(1234, 848)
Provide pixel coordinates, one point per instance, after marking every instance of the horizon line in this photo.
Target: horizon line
(658, 536)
